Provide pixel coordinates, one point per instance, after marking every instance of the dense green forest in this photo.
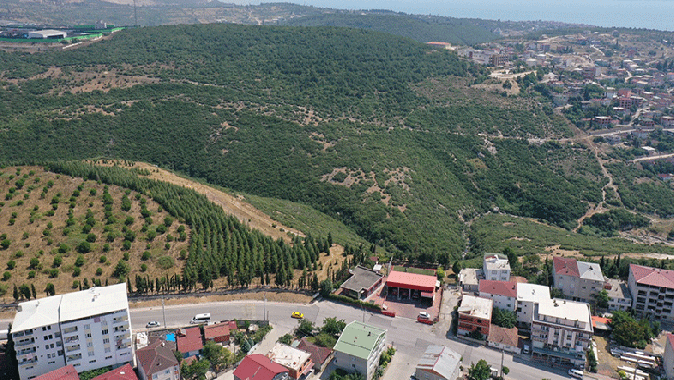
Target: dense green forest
(377, 131)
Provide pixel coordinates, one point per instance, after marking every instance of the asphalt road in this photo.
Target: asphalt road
(408, 336)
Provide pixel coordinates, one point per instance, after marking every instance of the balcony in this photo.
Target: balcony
(73, 348)
(70, 358)
(72, 339)
(27, 351)
(24, 342)
(119, 320)
(28, 361)
(70, 330)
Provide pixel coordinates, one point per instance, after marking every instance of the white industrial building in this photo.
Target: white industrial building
(89, 329)
(47, 34)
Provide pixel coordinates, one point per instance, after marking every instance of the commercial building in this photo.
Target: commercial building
(157, 361)
(47, 34)
(474, 314)
(259, 367)
(297, 362)
(89, 329)
(438, 363)
(495, 267)
(359, 347)
(578, 280)
(503, 293)
(668, 357)
(619, 297)
(362, 282)
(528, 296)
(652, 292)
(561, 332)
(412, 285)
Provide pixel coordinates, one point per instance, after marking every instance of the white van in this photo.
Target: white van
(201, 318)
(578, 374)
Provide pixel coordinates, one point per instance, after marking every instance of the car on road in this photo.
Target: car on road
(424, 315)
(152, 324)
(578, 374)
(297, 315)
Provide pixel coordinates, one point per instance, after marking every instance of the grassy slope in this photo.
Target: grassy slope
(36, 244)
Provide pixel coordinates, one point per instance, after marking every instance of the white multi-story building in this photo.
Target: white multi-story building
(503, 293)
(89, 329)
(561, 332)
(528, 296)
(652, 292)
(496, 267)
(359, 347)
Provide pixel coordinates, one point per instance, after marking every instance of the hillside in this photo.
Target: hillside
(381, 133)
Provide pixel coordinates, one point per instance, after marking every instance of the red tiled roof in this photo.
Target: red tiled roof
(653, 277)
(124, 372)
(568, 267)
(502, 288)
(232, 326)
(258, 367)
(507, 337)
(156, 357)
(65, 373)
(318, 354)
(216, 330)
(189, 340)
(411, 281)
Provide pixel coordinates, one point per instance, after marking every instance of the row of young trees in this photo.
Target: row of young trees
(220, 246)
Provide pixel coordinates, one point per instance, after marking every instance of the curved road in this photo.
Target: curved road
(408, 336)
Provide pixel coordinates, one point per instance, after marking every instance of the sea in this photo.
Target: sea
(649, 14)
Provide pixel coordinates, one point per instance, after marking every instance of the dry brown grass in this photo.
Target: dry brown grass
(28, 237)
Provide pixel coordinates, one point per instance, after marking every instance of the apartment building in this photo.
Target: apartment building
(652, 292)
(578, 280)
(474, 314)
(528, 296)
(89, 329)
(619, 297)
(495, 267)
(503, 293)
(359, 347)
(561, 331)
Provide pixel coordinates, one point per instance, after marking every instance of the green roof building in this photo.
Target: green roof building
(359, 347)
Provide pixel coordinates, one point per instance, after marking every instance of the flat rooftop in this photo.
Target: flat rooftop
(93, 301)
(478, 307)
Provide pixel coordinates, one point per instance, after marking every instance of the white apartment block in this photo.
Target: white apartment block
(561, 332)
(528, 296)
(578, 280)
(652, 292)
(495, 267)
(89, 329)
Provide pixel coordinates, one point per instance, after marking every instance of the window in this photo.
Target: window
(107, 349)
(91, 353)
(106, 340)
(105, 332)
(87, 327)
(108, 357)
(89, 344)
(92, 361)
(88, 335)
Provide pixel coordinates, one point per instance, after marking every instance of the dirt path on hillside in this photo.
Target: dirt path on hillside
(237, 206)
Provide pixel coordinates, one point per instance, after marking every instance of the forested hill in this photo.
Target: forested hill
(419, 28)
(375, 130)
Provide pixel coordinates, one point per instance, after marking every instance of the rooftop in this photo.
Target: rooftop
(37, 313)
(359, 339)
(189, 340)
(532, 293)
(318, 354)
(441, 360)
(470, 276)
(502, 335)
(64, 373)
(289, 357)
(124, 372)
(652, 276)
(362, 278)
(496, 261)
(412, 281)
(478, 307)
(156, 357)
(565, 266)
(502, 288)
(217, 330)
(258, 367)
(93, 301)
(564, 310)
(617, 289)
(590, 271)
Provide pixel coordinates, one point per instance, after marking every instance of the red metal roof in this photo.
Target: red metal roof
(653, 277)
(258, 367)
(502, 288)
(189, 340)
(411, 281)
(565, 266)
(65, 373)
(124, 372)
(216, 331)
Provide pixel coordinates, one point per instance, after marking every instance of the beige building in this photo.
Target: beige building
(578, 280)
(438, 363)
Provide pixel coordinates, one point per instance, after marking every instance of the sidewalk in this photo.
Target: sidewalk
(261, 348)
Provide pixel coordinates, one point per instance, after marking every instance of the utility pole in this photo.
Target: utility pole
(264, 314)
(502, 356)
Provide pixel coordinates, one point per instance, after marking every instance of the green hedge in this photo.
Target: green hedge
(351, 301)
